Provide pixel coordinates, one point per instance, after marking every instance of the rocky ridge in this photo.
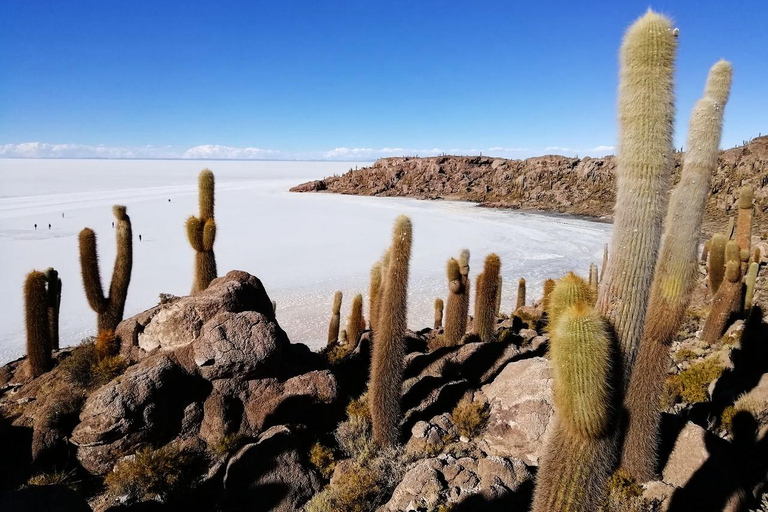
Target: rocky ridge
(557, 184)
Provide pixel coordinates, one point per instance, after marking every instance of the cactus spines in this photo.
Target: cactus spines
(581, 355)
(497, 309)
(201, 232)
(385, 386)
(455, 315)
(485, 299)
(356, 321)
(744, 225)
(725, 303)
(438, 313)
(54, 305)
(674, 278)
(716, 261)
(374, 292)
(756, 255)
(579, 455)
(605, 263)
(333, 327)
(520, 294)
(568, 291)
(645, 157)
(749, 282)
(549, 285)
(109, 309)
(37, 321)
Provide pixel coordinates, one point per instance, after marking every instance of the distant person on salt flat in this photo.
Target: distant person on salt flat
(49, 225)
(35, 227)
(139, 237)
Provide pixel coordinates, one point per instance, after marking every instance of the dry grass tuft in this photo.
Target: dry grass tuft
(691, 384)
(470, 417)
(150, 474)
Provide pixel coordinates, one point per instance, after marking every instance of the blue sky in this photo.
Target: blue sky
(355, 79)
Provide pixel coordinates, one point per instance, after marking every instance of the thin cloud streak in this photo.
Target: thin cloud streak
(222, 152)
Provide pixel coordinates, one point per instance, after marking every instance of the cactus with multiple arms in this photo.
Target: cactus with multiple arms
(726, 302)
(674, 278)
(37, 322)
(385, 386)
(333, 327)
(201, 232)
(109, 309)
(485, 299)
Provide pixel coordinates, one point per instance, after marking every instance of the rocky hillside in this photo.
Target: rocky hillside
(548, 183)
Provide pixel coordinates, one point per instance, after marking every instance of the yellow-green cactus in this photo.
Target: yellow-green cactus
(455, 314)
(201, 232)
(333, 327)
(355, 321)
(716, 262)
(438, 313)
(520, 294)
(568, 291)
(674, 278)
(645, 156)
(484, 324)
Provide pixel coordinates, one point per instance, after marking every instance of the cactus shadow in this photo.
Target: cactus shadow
(730, 475)
(513, 500)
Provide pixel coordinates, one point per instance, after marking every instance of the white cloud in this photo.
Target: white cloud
(221, 152)
(217, 152)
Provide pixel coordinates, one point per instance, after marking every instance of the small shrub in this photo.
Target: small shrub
(691, 384)
(150, 474)
(470, 417)
(625, 495)
(86, 369)
(107, 369)
(359, 407)
(354, 436)
(55, 478)
(228, 444)
(745, 403)
(106, 344)
(684, 354)
(322, 458)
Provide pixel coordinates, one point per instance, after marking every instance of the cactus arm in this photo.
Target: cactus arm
(89, 266)
(121, 275)
(333, 327)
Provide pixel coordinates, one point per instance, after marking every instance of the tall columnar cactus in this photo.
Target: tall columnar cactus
(568, 291)
(356, 321)
(674, 278)
(716, 261)
(520, 294)
(37, 320)
(333, 327)
(201, 232)
(54, 305)
(579, 455)
(455, 314)
(749, 282)
(438, 313)
(497, 308)
(549, 285)
(756, 255)
(373, 293)
(388, 348)
(380, 291)
(705, 251)
(464, 270)
(744, 225)
(109, 309)
(728, 299)
(485, 299)
(605, 263)
(645, 157)
(593, 276)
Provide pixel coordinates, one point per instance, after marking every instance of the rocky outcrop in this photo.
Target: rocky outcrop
(270, 474)
(446, 480)
(521, 407)
(578, 186)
